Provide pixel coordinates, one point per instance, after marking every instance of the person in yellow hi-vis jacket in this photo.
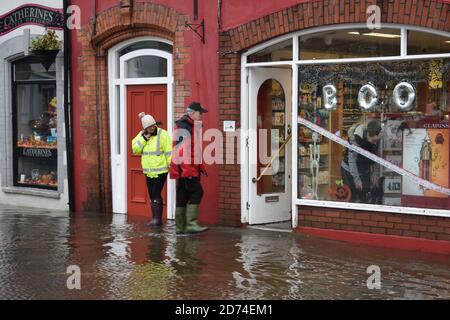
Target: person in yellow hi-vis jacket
(155, 147)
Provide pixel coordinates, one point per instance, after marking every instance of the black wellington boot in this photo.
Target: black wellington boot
(157, 211)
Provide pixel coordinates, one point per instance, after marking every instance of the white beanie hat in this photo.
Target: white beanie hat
(147, 120)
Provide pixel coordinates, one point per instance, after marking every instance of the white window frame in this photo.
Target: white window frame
(294, 64)
(119, 160)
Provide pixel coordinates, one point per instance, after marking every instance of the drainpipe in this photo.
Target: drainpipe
(68, 107)
(219, 15)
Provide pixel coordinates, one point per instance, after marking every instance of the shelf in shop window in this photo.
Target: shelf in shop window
(50, 153)
(37, 185)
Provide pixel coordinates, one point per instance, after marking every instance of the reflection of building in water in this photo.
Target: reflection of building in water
(264, 275)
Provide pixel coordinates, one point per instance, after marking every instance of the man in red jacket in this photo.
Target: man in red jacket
(187, 167)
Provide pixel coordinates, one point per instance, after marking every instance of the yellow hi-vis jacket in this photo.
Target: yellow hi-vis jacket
(156, 152)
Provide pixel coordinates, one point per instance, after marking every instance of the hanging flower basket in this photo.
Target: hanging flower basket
(46, 57)
(46, 48)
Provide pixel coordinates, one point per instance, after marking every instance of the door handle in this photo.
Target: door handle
(254, 180)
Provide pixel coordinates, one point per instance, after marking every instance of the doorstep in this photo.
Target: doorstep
(285, 226)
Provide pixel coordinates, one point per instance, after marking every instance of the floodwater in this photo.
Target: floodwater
(121, 258)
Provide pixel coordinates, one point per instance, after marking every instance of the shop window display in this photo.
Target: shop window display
(35, 125)
(397, 111)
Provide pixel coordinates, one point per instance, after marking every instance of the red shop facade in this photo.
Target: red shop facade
(264, 65)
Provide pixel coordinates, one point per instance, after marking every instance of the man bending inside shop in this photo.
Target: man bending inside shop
(360, 173)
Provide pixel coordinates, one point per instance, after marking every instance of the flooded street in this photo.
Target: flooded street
(120, 258)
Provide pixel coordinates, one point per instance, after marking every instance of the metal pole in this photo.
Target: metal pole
(68, 107)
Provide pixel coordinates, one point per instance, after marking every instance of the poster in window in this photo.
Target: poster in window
(393, 136)
(425, 154)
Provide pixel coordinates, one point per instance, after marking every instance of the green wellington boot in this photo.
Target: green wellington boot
(180, 220)
(192, 225)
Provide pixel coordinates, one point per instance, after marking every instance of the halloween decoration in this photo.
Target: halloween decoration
(404, 95)
(367, 97)
(330, 97)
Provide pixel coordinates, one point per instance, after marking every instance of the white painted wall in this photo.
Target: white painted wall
(6, 6)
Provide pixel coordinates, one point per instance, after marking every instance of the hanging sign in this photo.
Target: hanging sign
(386, 164)
(51, 18)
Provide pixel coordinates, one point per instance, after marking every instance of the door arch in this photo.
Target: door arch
(148, 50)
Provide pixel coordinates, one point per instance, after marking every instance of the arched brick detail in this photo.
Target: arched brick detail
(424, 13)
(114, 26)
(111, 24)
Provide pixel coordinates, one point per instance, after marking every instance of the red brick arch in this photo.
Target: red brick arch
(433, 14)
(114, 26)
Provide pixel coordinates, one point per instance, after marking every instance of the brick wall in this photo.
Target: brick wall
(434, 228)
(229, 109)
(113, 26)
(431, 14)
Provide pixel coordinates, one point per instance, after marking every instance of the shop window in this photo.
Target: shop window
(427, 43)
(349, 43)
(34, 125)
(271, 124)
(397, 111)
(146, 67)
(278, 52)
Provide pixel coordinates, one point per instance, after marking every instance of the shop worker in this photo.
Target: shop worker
(359, 172)
(155, 147)
(187, 167)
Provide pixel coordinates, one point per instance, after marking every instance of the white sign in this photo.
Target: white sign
(229, 126)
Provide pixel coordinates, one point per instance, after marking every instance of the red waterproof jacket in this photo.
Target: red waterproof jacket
(187, 159)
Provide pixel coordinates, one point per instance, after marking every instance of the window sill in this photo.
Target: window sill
(32, 192)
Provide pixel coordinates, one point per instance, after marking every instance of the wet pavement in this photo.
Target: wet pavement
(121, 258)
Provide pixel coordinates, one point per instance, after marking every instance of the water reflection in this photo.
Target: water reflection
(121, 258)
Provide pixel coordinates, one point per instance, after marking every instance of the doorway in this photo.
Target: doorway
(141, 80)
(270, 147)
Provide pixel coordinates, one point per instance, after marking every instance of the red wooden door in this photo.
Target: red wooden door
(151, 99)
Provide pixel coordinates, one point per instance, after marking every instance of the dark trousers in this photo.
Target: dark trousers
(189, 191)
(357, 195)
(155, 186)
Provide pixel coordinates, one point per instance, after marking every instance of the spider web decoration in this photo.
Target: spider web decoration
(381, 74)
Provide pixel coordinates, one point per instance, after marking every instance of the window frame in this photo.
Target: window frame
(14, 104)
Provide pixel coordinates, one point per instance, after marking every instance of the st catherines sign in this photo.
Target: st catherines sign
(51, 18)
